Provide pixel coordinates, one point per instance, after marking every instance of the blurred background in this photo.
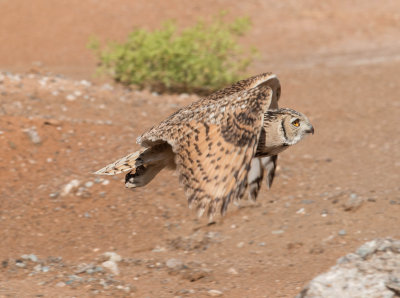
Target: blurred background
(338, 62)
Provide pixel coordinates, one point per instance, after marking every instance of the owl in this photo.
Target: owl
(221, 145)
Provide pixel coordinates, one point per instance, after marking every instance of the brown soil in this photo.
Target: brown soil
(337, 62)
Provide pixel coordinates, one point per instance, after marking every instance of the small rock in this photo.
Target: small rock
(240, 244)
(232, 271)
(60, 284)
(112, 266)
(159, 249)
(70, 97)
(89, 184)
(45, 268)
(125, 289)
(174, 264)
(112, 256)
(33, 135)
(30, 257)
(301, 211)
(20, 264)
(278, 232)
(70, 186)
(215, 293)
(307, 202)
(85, 83)
(37, 268)
(54, 195)
(107, 87)
(342, 233)
(353, 202)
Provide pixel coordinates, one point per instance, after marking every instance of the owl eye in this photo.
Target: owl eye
(296, 123)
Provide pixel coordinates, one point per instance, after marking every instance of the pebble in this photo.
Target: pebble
(125, 289)
(215, 293)
(33, 135)
(159, 249)
(30, 257)
(54, 195)
(60, 284)
(85, 83)
(307, 202)
(278, 232)
(89, 184)
(112, 256)
(105, 182)
(70, 186)
(240, 244)
(342, 233)
(70, 97)
(301, 211)
(112, 266)
(353, 202)
(20, 264)
(174, 264)
(107, 87)
(232, 271)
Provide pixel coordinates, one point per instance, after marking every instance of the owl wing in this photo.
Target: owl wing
(214, 142)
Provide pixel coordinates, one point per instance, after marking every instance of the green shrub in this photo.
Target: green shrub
(198, 59)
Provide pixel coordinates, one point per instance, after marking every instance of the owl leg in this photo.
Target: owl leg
(254, 178)
(142, 175)
(149, 164)
(269, 165)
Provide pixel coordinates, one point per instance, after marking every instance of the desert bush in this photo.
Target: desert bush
(197, 59)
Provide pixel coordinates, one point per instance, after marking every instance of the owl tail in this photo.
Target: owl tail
(143, 165)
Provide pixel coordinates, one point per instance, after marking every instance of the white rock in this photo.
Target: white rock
(373, 271)
(69, 187)
(174, 264)
(240, 244)
(112, 266)
(33, 135)
(215, 293)
(232, 271)
(86, 83)
(70, 97)
(89, 184)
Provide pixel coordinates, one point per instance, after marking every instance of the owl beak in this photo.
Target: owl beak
(310, 130)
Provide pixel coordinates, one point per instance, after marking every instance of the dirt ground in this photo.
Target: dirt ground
(338, 62)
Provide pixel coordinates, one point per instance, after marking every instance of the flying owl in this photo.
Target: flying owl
(221, 145)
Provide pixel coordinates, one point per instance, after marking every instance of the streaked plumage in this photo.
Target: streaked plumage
(220, 145)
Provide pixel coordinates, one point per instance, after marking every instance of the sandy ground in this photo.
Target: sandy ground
(338, 63)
